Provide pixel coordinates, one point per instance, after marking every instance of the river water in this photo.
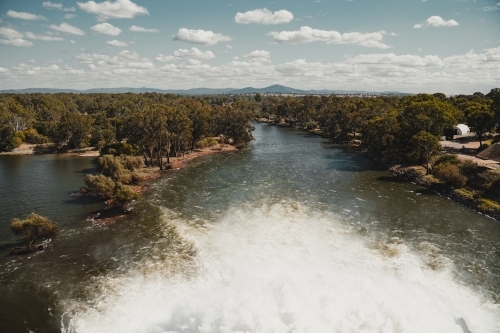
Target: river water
(289, 235)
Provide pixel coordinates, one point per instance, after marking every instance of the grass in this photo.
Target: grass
(464, 192)
(488, 205)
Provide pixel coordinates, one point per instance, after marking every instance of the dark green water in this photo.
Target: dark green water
(290, 235)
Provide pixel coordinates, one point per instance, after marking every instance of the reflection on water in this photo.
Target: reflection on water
(290, 235)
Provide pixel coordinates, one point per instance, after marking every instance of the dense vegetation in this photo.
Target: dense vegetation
(155, 125)
(395, 128)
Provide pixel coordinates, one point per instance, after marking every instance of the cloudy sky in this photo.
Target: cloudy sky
(451, 46)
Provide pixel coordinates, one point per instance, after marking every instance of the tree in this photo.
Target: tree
(74, 129)
(481, 118)
(425, 146)
(33, 228)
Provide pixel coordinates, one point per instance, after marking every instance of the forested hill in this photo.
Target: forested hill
(274, 89)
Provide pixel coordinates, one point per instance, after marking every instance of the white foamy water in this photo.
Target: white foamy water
(283, 268)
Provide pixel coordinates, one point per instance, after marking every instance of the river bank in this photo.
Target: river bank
(43, 149)
(415, 174)
(112, 215)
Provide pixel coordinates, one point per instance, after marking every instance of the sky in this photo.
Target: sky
(449, 46)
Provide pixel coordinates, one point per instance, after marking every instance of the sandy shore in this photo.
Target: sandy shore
(31, 149)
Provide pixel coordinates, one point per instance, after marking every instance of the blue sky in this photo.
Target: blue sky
(408, 45)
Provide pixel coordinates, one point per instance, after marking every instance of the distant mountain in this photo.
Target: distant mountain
(274, 89)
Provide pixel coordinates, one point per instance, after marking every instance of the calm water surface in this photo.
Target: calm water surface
(290, 235)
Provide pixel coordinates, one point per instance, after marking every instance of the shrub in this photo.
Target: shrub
(32, 136)
(124, 194)
(99, 185)
(20, 135)
(450, 174)
(117, 149)
(206, 142)
(111, 166)
(34, 227)
(447, 158)
(310, 125)
(131, 162)
(468, 167)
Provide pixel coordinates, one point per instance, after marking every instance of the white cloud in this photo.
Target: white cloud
(264, 16)
(116, 43)
(10, 33)
(43, 37)
(462, 73)
(491, 8)
(13, 38)
(69, 16)
(72, 42)
(200, 37)
(113, 10)
(106, 29)
(58, 6)
(179, 54)
(307, 34)
(135, 28)
(259, 56)
(67, 28)
(436, 21)
(19, 42)
(25, 16)
(229, 46)
(3, 70)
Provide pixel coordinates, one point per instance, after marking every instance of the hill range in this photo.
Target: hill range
(274, 89)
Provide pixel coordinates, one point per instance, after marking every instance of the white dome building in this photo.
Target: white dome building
(462, 129)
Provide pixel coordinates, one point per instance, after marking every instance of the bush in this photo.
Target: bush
(20, 135)
(99, 185)
(310, 125)
(32, 136)
(468, 167)
(206, 142)
(34, 227)
(447, 158)
(8, 140)
(117, 149)
(450, 174)
(124, 194)
(131, 162)
(111, 166)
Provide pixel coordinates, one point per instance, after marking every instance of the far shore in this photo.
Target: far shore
(31, 149)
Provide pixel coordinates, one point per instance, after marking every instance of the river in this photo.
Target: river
(289, 235)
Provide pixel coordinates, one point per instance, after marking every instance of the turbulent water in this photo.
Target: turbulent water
(290, 235)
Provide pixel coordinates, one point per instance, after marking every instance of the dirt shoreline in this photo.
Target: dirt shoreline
(102, 218)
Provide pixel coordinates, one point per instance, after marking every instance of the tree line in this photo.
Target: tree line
(154, 125)
(404, 129)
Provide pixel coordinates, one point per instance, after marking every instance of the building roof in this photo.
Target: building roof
(491, 153)
(463, 128)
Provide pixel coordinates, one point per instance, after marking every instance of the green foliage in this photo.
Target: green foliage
(99, 185)
(124, 194)
(74, 130)
(117, 149)
(447, 158)
(206, 142)
(32, 136)
(450, 174)
(34, 227)
(424, 146)
(111, 166)
(310, 125)
(8, 140)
